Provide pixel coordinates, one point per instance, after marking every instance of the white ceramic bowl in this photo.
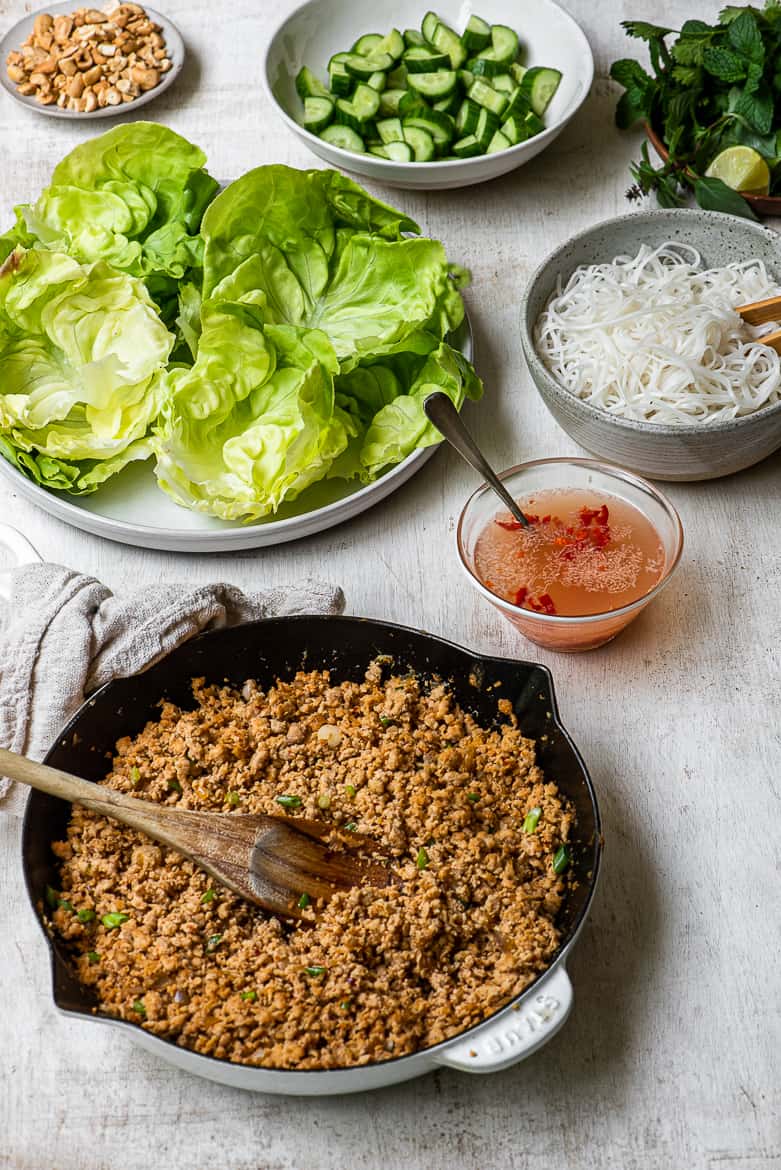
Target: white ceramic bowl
(320, 28)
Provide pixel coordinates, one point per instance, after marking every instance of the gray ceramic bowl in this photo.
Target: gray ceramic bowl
(659, 451)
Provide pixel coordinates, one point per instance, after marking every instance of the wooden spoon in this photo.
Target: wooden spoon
(268, 860)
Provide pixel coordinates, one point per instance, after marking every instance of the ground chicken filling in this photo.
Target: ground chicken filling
(375, 973)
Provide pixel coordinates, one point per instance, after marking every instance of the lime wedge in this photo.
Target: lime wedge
(741, 168)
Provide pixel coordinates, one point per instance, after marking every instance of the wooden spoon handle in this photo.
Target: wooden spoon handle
(157, 822)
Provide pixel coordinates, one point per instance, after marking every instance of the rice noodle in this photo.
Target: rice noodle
(654, 337)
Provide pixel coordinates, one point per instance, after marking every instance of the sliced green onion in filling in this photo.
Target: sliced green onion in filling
(561, 859)
(289, 801)
(532, 820)
(114, 920)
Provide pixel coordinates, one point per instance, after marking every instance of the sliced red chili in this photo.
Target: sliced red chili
(546, 603)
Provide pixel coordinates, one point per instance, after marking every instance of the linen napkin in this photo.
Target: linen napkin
(66, 634)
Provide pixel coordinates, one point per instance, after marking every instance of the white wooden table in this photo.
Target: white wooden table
(671, 1057)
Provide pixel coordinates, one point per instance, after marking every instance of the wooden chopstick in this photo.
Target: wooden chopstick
(772, 339)
(760, 312)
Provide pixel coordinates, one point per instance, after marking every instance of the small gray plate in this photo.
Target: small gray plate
(15, 38)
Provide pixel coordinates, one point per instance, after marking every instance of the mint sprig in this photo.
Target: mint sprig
(710, 86)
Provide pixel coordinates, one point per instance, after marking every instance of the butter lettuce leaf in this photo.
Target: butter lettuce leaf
(254, 420)
(83, 354)
(400, 426)
(308, 320)
(298, 212)
(320, 331)
(133, 198)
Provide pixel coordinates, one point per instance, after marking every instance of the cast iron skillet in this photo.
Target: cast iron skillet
(274, 648)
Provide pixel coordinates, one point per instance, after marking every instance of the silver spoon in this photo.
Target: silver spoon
(443, 414)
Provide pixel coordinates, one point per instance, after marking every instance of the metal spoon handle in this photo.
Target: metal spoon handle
(443, 414)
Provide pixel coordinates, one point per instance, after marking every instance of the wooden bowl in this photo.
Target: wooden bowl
(761, 204)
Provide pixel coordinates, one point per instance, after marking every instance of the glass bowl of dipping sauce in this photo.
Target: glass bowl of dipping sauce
(601, 544)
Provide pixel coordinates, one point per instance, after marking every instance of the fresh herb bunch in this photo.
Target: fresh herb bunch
(713, 87)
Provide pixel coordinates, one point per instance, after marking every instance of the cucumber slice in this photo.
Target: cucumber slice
(514, 129)
(421, 142)
(486, 65)
(504, 83)
(345, 115)
(533, 123)
(487, 125)
(440, 128)
(449, 105)
(466, 77)
(309, 86)
(400, 152)
(504, 42)
(341, 82)
(358, 112)
(485, 95)
(498, 142)
(389, 102)
(517, 104)
(363, 67)
(425, 60)
(517, 72)
(428, 26)
(412, 104)
(343, 137)
(390, 130)
(318, 112)
(378, 81)
(434, 85)
(447, 42)
(466, 147)
(476, 35)
(392, 44)
(397, 78)
(467, 117)
(538, 86)
(365, 103)
(367, 44)
(413, 39)
(380, 151)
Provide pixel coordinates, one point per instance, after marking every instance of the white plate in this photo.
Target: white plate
(15, 38)
(320, 28)
(132, 509)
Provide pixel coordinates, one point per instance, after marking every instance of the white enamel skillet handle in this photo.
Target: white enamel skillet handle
(22, 552)
(514, 1035)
